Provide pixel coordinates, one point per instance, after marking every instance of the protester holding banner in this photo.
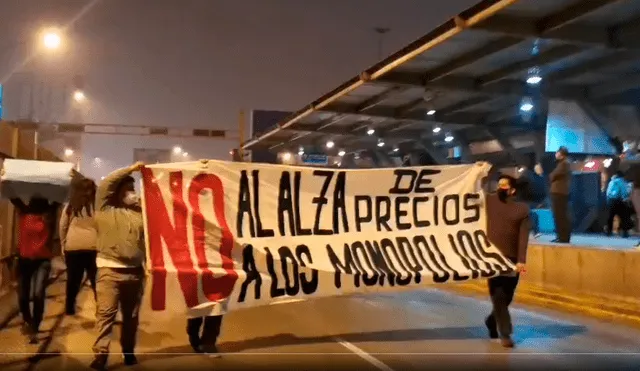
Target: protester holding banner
(120, 259)
(508, 230)
(78, 239)
(205, 342)
(36, 189)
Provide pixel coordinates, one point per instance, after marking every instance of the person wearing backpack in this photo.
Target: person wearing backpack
(78, 237)
(618, 193)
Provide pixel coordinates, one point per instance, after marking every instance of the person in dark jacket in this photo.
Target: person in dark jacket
(560, 179)
(508, 229)
(36, 240)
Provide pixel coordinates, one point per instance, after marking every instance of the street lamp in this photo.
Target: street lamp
(79, 96)
(52, 40)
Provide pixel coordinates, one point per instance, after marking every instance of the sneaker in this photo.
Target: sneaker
(493, 331)
(130, 359)
(33, 339)
(99, 363)
(507, 342)
(195, 344)
(25, 329)
(211, 351)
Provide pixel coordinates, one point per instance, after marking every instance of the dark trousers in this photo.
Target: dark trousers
(560, 209)
(501, 290)
(535, 223)
(33, 276)
(623, 211)
(79, 262)
(210, 331)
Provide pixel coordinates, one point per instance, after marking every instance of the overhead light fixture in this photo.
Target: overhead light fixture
(526, 107)
(341, 153)
(448, 138)
(286, 156)
(431, 112)
(534, 80)
(68, 152)
(437, 129)
(380, 143)
(177, 150)
(396, 149)
(185, 154)
(370, 131)
(330, 144)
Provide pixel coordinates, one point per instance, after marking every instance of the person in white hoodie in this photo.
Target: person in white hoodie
(78, 237)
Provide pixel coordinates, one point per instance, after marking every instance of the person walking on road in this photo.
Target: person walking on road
(508, 230)
(78, 237)
(36, 241)
(120, 260)
(560, 179)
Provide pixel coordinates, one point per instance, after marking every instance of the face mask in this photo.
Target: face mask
(131, 198)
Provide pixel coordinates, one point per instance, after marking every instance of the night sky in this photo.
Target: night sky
(197, 62)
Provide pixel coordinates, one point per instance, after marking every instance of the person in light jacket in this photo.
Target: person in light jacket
(618, 196)
(78, 237)
(120, 259)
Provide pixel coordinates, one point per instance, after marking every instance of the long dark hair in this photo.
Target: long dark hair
(83, 196)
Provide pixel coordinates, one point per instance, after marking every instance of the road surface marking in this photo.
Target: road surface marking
(364, 355)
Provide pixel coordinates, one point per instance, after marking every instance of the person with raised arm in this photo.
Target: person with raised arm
(120, 260)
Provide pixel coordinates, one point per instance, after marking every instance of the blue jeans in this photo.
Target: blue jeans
(34, 276)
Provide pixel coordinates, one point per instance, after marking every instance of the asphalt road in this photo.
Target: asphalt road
(427, 330)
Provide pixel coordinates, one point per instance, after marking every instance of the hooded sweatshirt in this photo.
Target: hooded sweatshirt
(120, 242)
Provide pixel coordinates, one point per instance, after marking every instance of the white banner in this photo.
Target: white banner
(25, 179)
(235, 235)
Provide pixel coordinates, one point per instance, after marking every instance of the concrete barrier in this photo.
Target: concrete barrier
(598, 272)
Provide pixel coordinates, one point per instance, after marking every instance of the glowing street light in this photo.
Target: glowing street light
(52, 40)
(79, 96)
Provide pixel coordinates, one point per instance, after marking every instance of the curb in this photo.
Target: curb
(8, 298)
(609, 310)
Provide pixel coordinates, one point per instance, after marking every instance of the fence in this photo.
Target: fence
(15, 142)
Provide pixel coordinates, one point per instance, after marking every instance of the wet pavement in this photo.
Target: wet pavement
(426, 329)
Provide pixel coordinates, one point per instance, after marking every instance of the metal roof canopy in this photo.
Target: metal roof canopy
(472, 72)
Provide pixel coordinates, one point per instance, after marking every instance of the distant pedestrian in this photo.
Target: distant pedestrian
(560, 179)
(120, 260)
(619, 203)
(508, 230)
(78, 237)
